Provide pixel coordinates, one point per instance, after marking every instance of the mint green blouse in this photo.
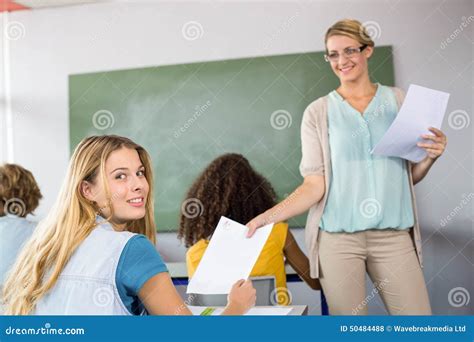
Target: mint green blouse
(365, 191)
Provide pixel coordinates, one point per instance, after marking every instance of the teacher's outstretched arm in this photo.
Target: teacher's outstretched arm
(299, 201)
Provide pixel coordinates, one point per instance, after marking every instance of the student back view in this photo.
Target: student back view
(19, 196)
(230, 187)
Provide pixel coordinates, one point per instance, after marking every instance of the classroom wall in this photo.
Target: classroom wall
(58, 42)
(2, 94)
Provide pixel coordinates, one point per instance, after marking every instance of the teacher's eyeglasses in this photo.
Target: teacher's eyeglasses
(347, 52)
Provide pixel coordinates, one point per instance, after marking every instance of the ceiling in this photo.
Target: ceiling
(18, 5)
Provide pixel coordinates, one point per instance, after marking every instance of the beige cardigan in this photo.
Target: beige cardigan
(316, 160)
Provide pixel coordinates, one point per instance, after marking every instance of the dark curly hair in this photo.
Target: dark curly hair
(229, 187)
(19, 192)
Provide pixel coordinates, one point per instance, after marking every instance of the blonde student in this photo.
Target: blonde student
(95, 252)
(362, 209)
(230, 187)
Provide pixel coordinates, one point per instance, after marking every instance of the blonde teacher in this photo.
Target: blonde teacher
(362, 209)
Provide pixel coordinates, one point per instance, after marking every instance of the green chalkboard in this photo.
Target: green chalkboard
(186, 115)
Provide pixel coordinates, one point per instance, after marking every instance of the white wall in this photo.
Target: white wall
(2, 93)
(62, 41)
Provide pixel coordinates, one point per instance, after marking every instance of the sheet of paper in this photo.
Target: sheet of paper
(230, 256)
(255, 311)
(422, 108)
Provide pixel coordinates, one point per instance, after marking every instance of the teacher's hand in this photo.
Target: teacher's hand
(436, 146)
(255, 223)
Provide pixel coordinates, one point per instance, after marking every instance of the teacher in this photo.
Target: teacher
(362, 209)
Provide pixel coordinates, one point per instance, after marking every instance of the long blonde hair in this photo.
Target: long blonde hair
(69, 222)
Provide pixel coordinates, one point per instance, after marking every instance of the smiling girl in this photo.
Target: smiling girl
(95, 251)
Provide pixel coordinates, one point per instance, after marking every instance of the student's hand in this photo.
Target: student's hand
(438, 143)
(241, 298)
(255, 223)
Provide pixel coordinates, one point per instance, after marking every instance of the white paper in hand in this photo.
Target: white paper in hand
(230, 256)
(422, 108)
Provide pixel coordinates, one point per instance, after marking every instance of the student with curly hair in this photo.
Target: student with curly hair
(19, 196)
(230, 187)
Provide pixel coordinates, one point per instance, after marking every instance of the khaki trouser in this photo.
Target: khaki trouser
(388, 256)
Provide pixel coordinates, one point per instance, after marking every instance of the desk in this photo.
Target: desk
(299, 310)
(179, 274)
(296, 310)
